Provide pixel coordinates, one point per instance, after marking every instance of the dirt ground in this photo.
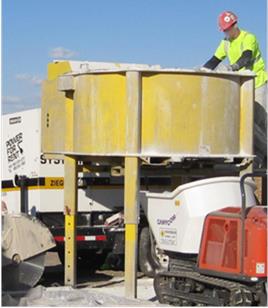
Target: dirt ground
(54, 275)
(106, 281)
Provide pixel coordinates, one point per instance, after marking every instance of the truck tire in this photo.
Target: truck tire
(149, 261)
(115, 262)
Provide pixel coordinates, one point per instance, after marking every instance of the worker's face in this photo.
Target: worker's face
(231, 33)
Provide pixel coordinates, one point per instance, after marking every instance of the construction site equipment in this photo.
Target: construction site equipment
(25, 241)
(176, 218)
(227, 265)
(217, 124)
(161, 117)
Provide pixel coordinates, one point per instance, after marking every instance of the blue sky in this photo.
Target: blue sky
(172, 33)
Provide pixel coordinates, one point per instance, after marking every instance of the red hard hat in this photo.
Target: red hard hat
(226, 20)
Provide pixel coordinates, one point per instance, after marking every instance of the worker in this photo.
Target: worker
(243, 52)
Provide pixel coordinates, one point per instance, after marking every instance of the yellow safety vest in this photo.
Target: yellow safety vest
(234, 49)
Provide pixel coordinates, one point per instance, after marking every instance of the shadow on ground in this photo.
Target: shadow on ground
(54, 276)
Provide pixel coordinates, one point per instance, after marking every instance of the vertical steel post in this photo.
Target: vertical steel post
(132, 181)
(246, 118)
(21, 181)
(131, 225)
(247, 93)
(70, 194)
(70, 210)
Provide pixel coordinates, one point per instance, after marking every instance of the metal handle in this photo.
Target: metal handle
(243, 210)
(21, 181)
(242, 186)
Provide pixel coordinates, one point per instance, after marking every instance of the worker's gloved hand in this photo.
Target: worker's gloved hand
(228, 68)
(232, 68)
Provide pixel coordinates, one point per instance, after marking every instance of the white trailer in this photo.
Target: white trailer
(33, 183)
(99, 198)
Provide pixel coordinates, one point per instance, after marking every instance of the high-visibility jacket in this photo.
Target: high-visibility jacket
(234, 49)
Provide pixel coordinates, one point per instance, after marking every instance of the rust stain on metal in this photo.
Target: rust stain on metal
(67, 210)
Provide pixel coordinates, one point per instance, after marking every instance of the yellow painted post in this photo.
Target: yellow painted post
(70, 209)
(246, 118)
(131, 224)
(132, 181)
(70, 194)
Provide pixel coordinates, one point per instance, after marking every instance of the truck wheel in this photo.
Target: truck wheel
(151, 258)
(115, 261)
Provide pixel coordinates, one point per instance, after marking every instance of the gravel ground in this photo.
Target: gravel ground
(85, 297)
